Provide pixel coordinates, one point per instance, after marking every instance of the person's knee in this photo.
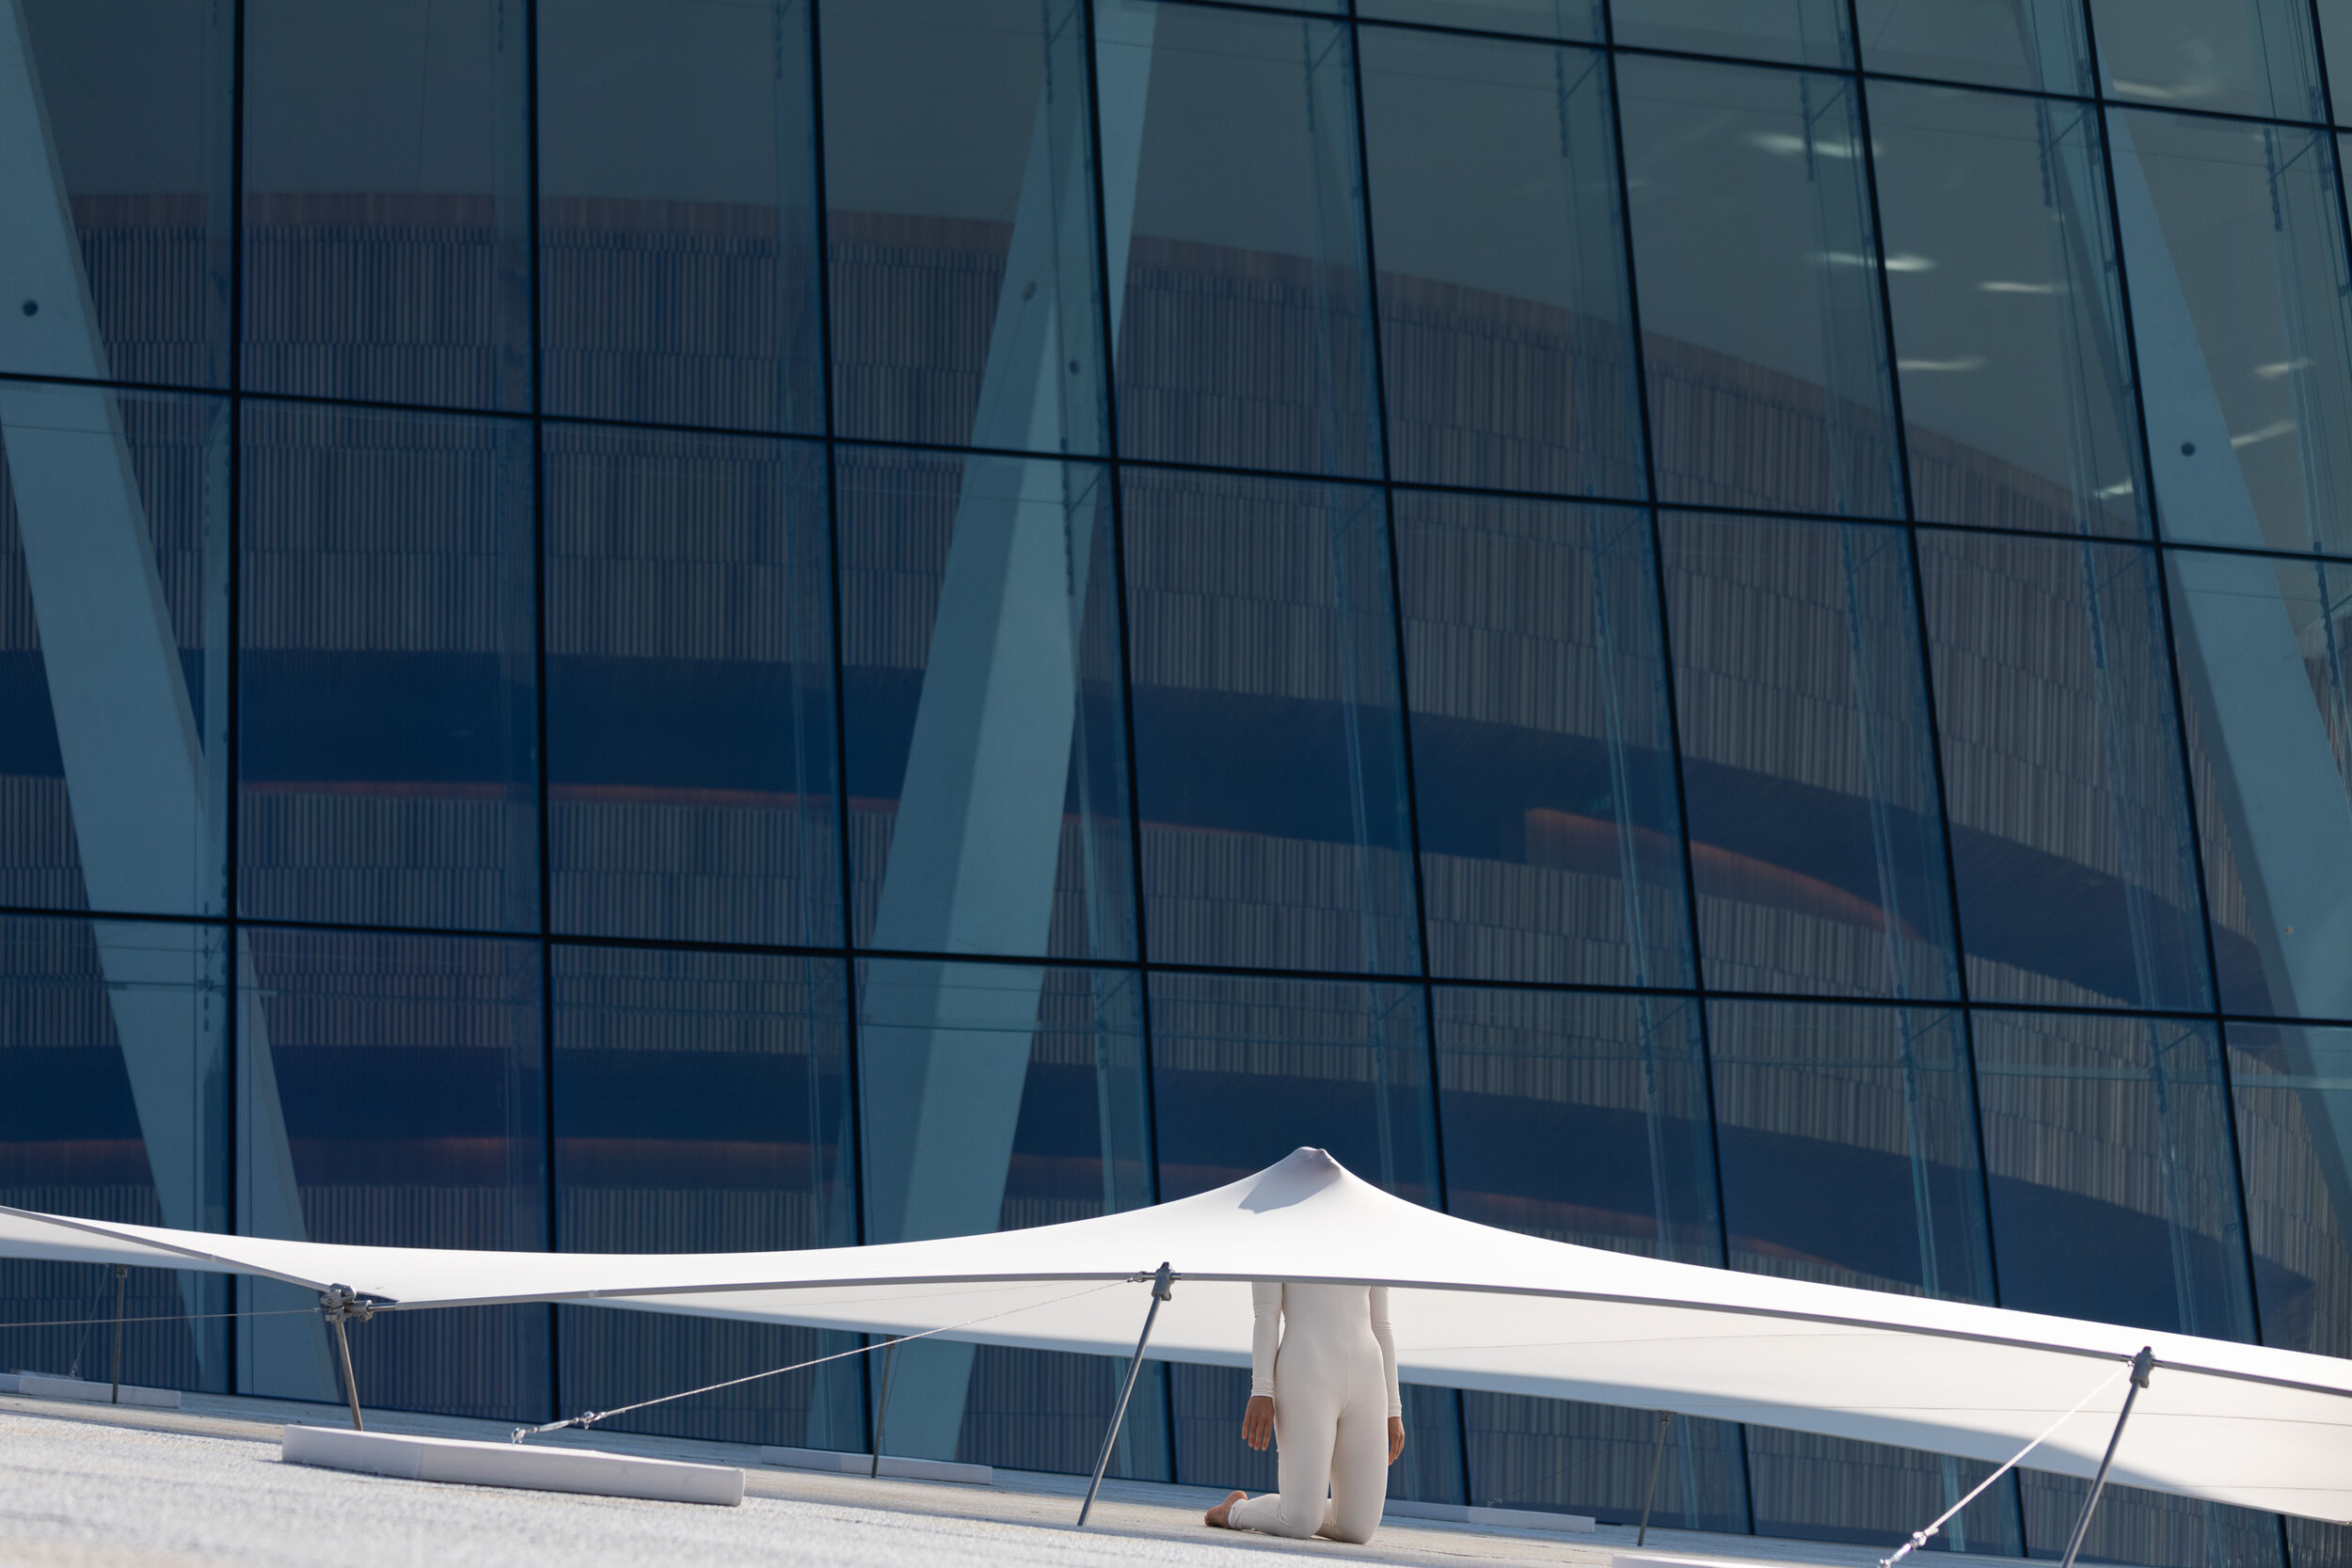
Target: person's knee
(1354, 1530)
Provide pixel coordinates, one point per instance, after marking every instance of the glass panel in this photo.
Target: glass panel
(2292, 1089)
(2236, 57)
(1802, 32)
(961, 223)
(1579, 1118)
(1848, 1144)
(113, 1044)
(1808, 764)
(114, 649)
(118, 196)
(2293, 1092)
(1584, 1119)
(2114, 1194)
(2149, 1528)
(2335, 32)
(1551, 849)
(2071, 838)
(1269, 744)
(2234, 248)
(1580, 20)
(1505, 330)
(2009, 331)
(677, 213)
(2262, 652)
(690, 754)
(387, 201)
(1832, 1489)
(1235, 214)
(387, 731)
(1760, 312)
(702, 1104)
(1596, 1459)
(997, 1097)
(987, 740)
(391, 1093)
(2035, 44)
(1245, 1070)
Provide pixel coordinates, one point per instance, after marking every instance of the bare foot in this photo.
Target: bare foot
(1222, 1515)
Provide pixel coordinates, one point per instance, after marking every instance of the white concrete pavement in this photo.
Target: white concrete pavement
(94, 1486)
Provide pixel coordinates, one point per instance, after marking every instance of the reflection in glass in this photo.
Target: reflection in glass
(2071, 836)
(2234, 248)
(388, 731)
(407, 1074)
(2035, 44)
(1565, 1457)
(1269, 741)
(1581, 1119)
(689, 689)
(987, 747)
(2157, 1529)
(1551, 845)
(1506, 335)
(1836, 1489)
(113, 1050)
(2293, 1092)
(1769, 382)
(1808, 768)
(1245, 1070)
(2009, 331)
(114, 649)
(677, 213)
(1578, 21)
(702, 1104)
(1848, 1137)
(387, 201)
(1799, 32)
(2148, 1232)
(2262, 675)
(1584, 1119)
(2232, 56)
(1234, 215)
(961, 222)
(997, 1097)
(121, 239)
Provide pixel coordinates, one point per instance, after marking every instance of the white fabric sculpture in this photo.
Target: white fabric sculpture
(1473, 1307)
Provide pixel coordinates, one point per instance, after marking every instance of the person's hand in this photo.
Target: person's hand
(1396, 1437)
(1257, 1423)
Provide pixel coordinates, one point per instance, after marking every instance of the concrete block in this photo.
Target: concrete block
(831, 1461)
(1501, 1519)
(42, 1386)
(935, 1470)
(1535, 1518)
(523, 1465)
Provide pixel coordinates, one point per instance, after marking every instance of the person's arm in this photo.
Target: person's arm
(1386, 1338)
(1265, 1334)
(1265, 1339)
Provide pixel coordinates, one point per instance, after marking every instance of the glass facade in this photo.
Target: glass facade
(1707, 628)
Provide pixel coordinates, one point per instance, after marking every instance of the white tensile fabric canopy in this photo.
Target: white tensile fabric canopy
(1473, 1308)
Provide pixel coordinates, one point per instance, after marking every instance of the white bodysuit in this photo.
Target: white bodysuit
(1325, 1354)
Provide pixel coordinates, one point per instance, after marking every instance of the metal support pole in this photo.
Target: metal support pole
(341, 1302)
(2141, 1365)
(1656, 1452)
(1163, 1286)
(122, 1273)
